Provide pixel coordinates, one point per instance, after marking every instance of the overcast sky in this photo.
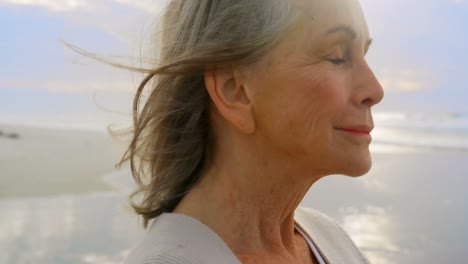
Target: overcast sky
(419, 54)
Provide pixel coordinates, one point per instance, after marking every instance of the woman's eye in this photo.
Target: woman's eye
(337, 61)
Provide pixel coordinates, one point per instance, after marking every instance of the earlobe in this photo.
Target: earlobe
(229, 96)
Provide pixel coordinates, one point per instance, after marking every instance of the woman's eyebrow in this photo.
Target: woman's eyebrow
(350, 32)
(343, 29)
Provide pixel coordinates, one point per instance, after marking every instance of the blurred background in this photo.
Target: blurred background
(62, 200)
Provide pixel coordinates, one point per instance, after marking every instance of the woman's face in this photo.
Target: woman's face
(312, 95)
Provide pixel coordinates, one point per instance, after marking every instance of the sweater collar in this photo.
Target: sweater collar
(334, 245)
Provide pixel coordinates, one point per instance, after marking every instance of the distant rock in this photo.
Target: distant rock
(13, 136)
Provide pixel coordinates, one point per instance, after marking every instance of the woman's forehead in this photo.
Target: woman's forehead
(320, 16)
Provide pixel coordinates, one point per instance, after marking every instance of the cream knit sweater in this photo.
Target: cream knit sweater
(180, 239)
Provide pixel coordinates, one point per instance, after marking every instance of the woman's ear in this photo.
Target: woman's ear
(228, 93)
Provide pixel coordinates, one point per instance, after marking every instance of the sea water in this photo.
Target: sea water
(429, 131)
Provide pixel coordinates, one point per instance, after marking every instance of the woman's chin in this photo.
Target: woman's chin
(358, 173)
(358, 166)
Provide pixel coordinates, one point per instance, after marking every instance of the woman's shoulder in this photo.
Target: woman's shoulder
(331, 239)
(180, 239)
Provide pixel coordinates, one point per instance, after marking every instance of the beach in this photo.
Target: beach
(48, 162)
(56, 201)
(63, 201)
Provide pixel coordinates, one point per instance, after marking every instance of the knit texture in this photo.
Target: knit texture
(180, 239)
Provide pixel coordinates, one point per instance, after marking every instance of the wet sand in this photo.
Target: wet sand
(410, 208)
(47, 162)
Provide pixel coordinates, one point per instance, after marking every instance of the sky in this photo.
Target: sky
(419, 54)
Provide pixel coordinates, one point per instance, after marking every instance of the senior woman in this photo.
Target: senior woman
(252, 103)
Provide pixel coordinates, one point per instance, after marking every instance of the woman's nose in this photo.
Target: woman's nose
(369, 91)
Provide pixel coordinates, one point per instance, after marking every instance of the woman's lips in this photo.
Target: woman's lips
(359, 132)
(366, 132)
(363, 129)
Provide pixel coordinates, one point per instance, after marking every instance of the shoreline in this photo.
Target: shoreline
(44, 162)
(49, 162)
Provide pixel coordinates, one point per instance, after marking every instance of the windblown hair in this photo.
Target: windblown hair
(172, 137)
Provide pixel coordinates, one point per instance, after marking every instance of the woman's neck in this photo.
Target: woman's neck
(250, 203)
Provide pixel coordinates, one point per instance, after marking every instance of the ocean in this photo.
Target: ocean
(432, 131)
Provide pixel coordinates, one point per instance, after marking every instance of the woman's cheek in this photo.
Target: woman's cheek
(334, 89)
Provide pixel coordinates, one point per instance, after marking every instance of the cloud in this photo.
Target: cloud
(409, 85)
(403, 85)
(72, 86)
(150, 6)
(108, 28)
(53, 5)
(407, 80)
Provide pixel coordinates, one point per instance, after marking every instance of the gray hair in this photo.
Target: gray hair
(172, 136)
